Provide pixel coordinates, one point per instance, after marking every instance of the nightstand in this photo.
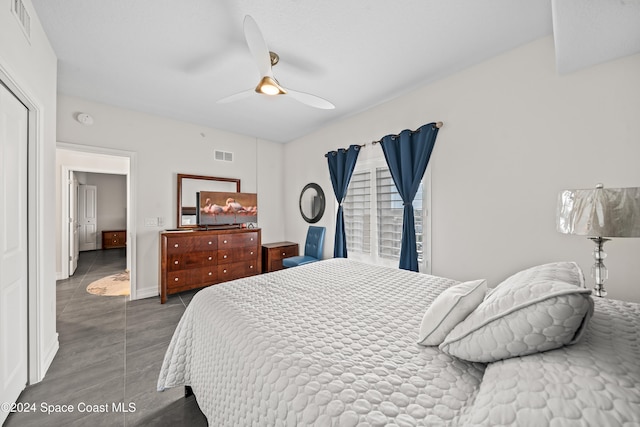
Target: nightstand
(274, 253)
(114, 239)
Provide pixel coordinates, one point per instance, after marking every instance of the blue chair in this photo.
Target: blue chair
(312, 249)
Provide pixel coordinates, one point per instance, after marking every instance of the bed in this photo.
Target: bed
(335, 343)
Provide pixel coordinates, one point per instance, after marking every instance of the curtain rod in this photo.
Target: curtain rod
(437, 125)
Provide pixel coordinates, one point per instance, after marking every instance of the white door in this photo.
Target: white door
(88, 217)
(74, 238)
(13, 247)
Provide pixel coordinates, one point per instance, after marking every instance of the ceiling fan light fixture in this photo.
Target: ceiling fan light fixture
(269, 86)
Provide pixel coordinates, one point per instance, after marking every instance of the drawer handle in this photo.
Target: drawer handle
(251, 239)
(251, 266)
(224, 271)
(175, 262)
(225, 257)
(283, 254)
(210, 274)
(224, 241)
(210, 258)
(251, 253)
(210, 242)
(175, 246)
(176, 279)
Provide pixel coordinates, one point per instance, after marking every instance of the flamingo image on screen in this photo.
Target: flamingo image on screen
(224, 208)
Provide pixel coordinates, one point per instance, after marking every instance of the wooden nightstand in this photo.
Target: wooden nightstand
(114, 239)
(274, 253)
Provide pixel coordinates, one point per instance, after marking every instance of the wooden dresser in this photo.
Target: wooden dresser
(114, 239)
(274, 253)
(195, 259)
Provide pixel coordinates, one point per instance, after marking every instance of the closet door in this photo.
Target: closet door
(13, 247)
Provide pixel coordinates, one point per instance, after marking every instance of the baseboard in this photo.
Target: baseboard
(146, 293)
(48, 357)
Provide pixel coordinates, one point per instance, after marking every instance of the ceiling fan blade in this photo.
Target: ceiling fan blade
(310, 100)
(236, 96)
(257, 46)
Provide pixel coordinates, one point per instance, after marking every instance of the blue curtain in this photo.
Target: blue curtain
(341, 164)
(407, 156)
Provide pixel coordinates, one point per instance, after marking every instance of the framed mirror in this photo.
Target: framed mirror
(189, 186)
(312, 203)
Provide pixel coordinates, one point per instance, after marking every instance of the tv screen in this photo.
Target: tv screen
(225, 208)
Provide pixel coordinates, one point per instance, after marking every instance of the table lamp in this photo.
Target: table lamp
(599, 214)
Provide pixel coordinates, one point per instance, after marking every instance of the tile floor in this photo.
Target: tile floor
(111, 350)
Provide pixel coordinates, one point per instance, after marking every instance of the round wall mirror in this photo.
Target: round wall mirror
(312, 203)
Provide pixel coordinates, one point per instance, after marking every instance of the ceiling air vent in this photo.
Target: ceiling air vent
(223, 156)
(21, 14)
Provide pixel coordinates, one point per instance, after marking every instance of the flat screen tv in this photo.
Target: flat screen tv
(226, 208)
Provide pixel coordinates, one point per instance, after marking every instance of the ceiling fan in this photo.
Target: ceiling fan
(265, 60)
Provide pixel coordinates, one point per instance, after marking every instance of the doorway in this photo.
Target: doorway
(74, 159)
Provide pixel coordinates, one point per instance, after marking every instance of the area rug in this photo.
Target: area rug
(111, 286)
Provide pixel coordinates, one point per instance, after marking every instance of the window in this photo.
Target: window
(373, 212)
(357, 213)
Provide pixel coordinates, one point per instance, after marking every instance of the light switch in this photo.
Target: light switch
(151, 222)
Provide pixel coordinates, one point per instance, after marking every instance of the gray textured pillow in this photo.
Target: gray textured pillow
(448, 309)
(538, 309)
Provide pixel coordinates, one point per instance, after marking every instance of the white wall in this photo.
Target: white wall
(28, 67)
(515, 134)
(165, 148)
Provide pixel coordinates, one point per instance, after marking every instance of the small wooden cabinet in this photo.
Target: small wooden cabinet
(274, 253)
(114, 239)
(195, 259)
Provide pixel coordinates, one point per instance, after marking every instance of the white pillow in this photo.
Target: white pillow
(538, 309)
(448, 309)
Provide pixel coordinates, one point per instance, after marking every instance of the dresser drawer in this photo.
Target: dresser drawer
(178, 280)
(188, 279)
(183, 280)
(286, 252)
(189, 260)
(181, 245)
(209, 243)
(227, 241)
(208, 275)
(237, 270)
(226, 256)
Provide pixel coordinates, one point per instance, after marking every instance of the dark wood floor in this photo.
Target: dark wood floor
(111, 350)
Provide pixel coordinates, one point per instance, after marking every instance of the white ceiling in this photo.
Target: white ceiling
(177, 58)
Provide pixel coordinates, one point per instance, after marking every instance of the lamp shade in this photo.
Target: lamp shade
(599, 212)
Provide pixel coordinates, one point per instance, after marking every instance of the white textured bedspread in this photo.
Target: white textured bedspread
(595, 382)
(333, 343)
(329, 343)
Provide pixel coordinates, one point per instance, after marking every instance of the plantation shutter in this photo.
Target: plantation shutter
(357, 213)
(390, 212)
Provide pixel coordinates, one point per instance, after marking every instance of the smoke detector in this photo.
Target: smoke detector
(85, 119)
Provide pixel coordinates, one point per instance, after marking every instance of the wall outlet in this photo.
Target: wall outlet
(160, 221)
(151, 222)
